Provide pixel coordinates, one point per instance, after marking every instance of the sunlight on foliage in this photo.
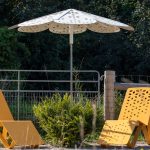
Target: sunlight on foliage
(66, 122)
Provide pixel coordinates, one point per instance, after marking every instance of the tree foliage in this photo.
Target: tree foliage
(13, 54)
(126, 52)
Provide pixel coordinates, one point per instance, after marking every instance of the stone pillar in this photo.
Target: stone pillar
(109, 102)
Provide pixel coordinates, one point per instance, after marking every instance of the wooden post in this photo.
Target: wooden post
(109, 103)
(125, 86)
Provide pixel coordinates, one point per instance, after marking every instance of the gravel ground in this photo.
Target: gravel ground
(92, 146)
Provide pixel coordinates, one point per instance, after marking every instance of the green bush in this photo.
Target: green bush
(66, 122)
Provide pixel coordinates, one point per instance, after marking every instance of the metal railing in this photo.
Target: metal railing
(24, 88)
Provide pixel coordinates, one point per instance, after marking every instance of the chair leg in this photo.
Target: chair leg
(146, 134)
(6, 139)
(132, 142)
(34, 146)
(105, 146)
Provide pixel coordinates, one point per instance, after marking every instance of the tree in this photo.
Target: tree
(126, 52)
(13, 54)
(141, 36)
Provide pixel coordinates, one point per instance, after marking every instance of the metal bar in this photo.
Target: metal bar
(18, 98)
(48, 91)
(53, 81)
(71, 70)
(98, 90)
(51, 71)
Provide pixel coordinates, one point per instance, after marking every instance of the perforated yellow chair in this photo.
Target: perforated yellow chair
(133, 119)
(16, 133)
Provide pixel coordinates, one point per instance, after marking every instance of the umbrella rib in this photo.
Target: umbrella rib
(63, 14)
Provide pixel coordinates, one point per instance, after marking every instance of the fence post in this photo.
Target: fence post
(109, 104)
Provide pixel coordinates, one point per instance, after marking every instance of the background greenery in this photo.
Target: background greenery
(126, 52)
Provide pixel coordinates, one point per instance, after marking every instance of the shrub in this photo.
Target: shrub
(66, 121)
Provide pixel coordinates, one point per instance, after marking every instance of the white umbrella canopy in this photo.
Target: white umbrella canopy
(71, 21)
(81, 21)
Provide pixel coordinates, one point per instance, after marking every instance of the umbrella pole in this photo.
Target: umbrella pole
(71, 64)
(71, 71)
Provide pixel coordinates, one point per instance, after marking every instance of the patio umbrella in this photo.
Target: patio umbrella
(71, 21)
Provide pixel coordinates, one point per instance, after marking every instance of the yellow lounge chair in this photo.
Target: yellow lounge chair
(133, 118)
(16, 133)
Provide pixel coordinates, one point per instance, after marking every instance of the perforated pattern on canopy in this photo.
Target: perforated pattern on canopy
(80, 21)
(64, 28)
